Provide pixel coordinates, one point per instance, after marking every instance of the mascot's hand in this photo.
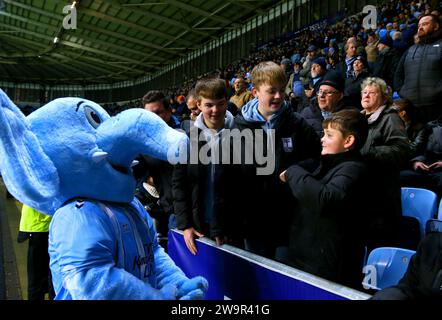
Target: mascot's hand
(197, 294)
(193, 289)
(168, 292)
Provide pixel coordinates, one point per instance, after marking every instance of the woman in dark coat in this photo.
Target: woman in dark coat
(386, 151)
(326, 236)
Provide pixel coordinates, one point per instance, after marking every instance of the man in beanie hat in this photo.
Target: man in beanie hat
(387, 60)
(330, 96)
(286, 65)
(317, 72)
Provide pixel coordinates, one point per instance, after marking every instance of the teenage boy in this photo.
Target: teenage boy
(202, 188)
(285, 138)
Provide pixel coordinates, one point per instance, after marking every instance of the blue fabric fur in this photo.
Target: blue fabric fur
(71, 149)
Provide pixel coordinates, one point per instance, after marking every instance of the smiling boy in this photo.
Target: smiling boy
(266, 201)
(203, 197)
(327, 236)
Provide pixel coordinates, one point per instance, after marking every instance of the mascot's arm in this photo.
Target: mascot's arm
(167, 272)
(83, 246)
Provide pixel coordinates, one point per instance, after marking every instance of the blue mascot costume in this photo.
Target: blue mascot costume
(71, 160)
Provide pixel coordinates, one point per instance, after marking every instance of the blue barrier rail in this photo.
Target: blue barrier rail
(240, 275)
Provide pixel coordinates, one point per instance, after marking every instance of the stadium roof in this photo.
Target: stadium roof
(113, 40)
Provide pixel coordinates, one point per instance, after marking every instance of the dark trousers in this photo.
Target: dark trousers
(39, 274)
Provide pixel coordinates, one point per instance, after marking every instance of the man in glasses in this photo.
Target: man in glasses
(329, 99)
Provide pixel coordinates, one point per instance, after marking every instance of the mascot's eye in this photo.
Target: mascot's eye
(92, 117)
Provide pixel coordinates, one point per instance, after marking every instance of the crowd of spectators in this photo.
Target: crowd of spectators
(330, 71)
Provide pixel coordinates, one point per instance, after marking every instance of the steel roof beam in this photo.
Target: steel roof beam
(145, 30)
(190, 8)
(105, 44)
(157, 17)
(114, 34)
(78, 46)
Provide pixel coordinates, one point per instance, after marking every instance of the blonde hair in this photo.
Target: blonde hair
(381, 85)
(350, 41)
(268, 72)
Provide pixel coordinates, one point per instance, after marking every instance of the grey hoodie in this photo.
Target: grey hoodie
(213, 138)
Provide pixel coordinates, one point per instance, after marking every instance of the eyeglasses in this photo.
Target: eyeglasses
(327, 93)
(368, 93)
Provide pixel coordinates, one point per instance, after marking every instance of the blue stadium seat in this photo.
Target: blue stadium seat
(420, 204)
(385, 267)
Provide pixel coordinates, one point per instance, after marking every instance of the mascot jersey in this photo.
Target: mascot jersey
(87, 264)
(73, 161)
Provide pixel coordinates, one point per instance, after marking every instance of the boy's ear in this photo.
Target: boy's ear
(254, 91)
(198, 104)
(349, 142)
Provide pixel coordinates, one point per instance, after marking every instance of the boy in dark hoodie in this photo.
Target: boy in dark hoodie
(274, 132)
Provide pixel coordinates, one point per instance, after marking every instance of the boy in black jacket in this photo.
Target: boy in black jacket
(203, 188)
(326, 236)
(275, 137)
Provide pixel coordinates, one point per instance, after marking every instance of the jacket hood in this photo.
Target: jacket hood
(251, 114)
(228, 122)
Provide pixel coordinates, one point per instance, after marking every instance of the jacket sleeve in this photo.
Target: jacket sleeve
(418, 145)
(86, 260)
(319, 196)
(310, 140)
(399, 75)
(181, 204)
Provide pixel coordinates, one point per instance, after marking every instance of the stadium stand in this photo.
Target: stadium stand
(76, 66)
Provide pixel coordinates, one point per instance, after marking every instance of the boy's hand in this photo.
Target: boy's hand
(220, 240)
(282, 176)
(189, 235)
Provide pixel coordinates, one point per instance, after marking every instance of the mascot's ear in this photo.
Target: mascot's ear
(27, 171)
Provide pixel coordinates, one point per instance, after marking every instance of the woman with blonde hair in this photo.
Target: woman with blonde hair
(386, 151)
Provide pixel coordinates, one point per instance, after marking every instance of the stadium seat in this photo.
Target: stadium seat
(420, 204)
(385, 267)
